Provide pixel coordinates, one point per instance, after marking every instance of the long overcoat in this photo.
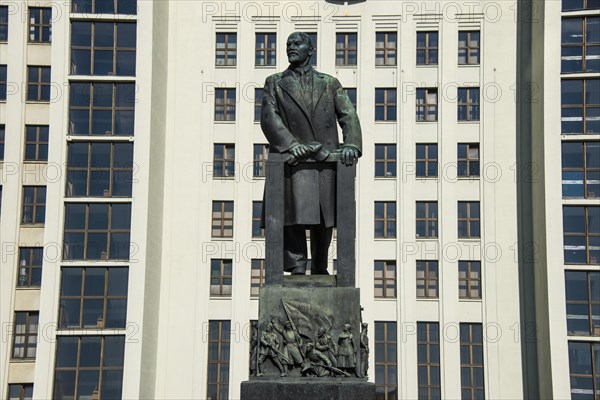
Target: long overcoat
(287, 119)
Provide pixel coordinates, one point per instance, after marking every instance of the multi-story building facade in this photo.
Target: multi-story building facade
(133, 175)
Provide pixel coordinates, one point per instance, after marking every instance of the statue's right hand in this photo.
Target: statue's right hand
(300, 151)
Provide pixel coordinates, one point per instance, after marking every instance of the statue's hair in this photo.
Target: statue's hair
(305, 38)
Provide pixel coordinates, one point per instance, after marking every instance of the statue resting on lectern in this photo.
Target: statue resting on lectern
(300, 112)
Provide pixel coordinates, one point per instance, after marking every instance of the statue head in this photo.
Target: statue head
(347, 327)
(365, 326)
(299, 48)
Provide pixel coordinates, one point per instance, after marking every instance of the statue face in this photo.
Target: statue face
(298, 50)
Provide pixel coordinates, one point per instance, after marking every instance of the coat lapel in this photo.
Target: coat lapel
(291, 87)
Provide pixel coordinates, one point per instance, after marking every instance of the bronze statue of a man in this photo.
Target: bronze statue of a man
(300, 111)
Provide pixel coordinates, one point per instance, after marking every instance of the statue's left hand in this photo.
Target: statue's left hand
(349, 156)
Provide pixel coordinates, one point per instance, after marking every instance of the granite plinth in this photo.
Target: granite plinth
(310, 389)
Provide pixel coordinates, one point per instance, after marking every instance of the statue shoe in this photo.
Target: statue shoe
(299, 271)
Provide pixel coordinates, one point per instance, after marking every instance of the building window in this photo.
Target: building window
(386, 44)
(25, 335)
(468, 160)
(580, 103)
(97, 231)
(224, 160)
(471, 362)
(225, 104)
(385, 219)
(572, 5)
(261, 153)
(30, 266)
(226, 49)
(351, 92)
(427, 101)
(427, 48)
(313, 40)
(386, 363)
(127, 7)
(222, 219)
(385, 161)
(583, 302)
(40, 25)
(427, 160)
(38, 84)
(346, 49)
(385, 104)
(89, 367)
(257, 230)
(99, 169)
(385, 279)
(581, 234)
(258, 95)
(266, 49)
(580, 45)
(469, 279)
(427, 279)
(3, 23)
(581, 169)
(221, 277)
(36, 143)
(468, 47)
(428, 360)
(584, 369)
(219, 346)
(257, 276)
(2, 134)
(102, 108)
(3, 82)
(427, 219)
(20, 391)
(468, 104)
(103, 48)
(468, 220)
(34, 205)
(93, 298)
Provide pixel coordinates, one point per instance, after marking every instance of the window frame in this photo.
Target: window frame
(587, 234)
(224, 161)
(423, 94)
(258, 95)
(387, 161)
(584, 170)
(590, 303)
(471, 344)
(222, 289)
(36, 205)
(222, 219)
(386, 339)
(428, 48)
(469, 282)
(269, 38)
(469, 220)
(29, 335)
(429, 218)
(3, 24)
(42, 88)
(386, 49)
(259, 164)
(385, 219)
(468, 48)
(427, 339)
(3, 82)
(430, 279)
(423, 173)
(38, 28)
(222, 341)
(467, 160)
(584, 106)
(256, 220)
(105, 254)
(388, 279)
(93, 9)
(229, 53)
(346, 50)
(38, 143)
(257, 281)
(583, 45)
(387, 105)
(224, 101)
(25, 390)
(2, 141)
(30, 266)
(470, 107)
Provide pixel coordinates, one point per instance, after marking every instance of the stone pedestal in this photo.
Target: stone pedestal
(310, 389)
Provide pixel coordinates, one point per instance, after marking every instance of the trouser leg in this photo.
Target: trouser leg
(320, 238)
(294, 247)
